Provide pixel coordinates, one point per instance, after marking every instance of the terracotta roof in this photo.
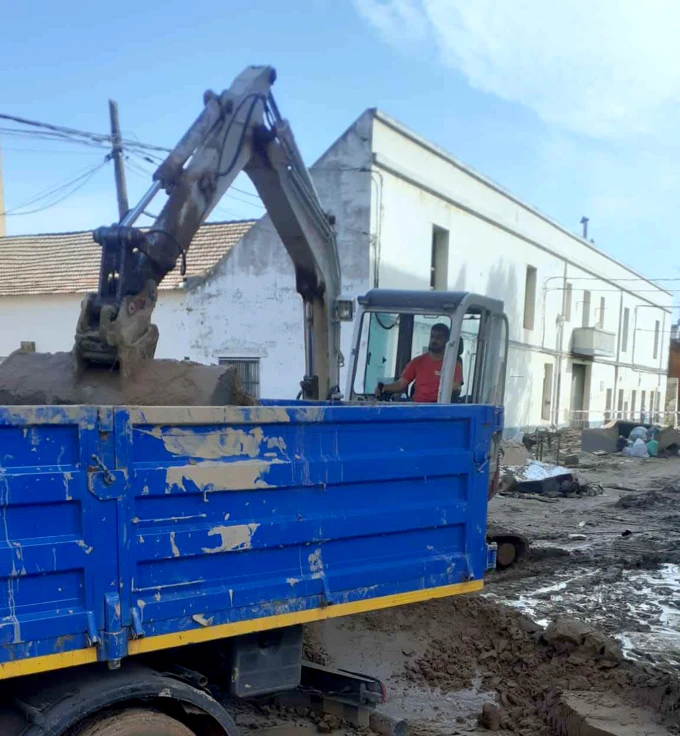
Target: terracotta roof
(68, 263)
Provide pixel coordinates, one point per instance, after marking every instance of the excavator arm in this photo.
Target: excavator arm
(239, 130)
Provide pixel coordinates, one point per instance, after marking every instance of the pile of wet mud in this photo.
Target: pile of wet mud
(468, 663)
(529, 667)
(52, 378)
(650, 499)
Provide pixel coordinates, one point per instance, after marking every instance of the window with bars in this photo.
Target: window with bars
(248, 370)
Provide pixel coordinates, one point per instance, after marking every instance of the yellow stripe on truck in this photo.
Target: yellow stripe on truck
(48, 662)
(224, 631)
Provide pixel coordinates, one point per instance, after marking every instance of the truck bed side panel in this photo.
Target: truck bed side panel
(55, 536)
(269, 513)
(126, 530)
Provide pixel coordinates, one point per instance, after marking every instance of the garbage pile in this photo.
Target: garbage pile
(641, 442)
(632, 439)
(546, 480)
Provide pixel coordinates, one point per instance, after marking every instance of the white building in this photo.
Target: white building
(588, 335)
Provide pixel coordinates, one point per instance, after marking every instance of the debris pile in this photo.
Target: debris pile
(631, 439)
(544, 480)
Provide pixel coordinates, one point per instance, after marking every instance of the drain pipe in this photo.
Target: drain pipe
(559, 344)
(615, 390)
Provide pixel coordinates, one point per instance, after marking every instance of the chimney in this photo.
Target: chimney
(3, 230)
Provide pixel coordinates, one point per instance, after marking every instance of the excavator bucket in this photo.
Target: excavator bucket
(119, 339)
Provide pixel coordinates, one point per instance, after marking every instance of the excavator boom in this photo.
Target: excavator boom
(239, 130)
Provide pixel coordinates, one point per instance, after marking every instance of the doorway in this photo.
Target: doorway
(578, 395)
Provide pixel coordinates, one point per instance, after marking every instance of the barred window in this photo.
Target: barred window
(248, 370)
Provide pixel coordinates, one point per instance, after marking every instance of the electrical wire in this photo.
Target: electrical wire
(48, 151)
(49, 131)
(51, 191)
(156, 160)
(244, 201)
(56, 128)
(62, 192)
(48, 136)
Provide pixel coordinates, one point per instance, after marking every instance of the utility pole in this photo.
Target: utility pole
(117, 156)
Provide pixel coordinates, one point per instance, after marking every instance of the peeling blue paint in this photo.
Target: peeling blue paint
(227, 515)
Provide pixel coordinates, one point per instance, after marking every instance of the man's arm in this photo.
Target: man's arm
(392, 388)
(400, 385)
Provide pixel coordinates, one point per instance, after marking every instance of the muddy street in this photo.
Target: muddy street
(610, 559)
(583, 634)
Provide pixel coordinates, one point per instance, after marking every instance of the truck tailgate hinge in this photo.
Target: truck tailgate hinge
(114, 643)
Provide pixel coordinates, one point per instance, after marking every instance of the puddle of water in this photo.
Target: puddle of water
(432, 704)
(636, 600)
(529, 603)
(664, 638)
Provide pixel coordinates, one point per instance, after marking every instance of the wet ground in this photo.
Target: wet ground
(611, 561)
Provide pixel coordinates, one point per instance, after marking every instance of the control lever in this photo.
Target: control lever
(382, 396)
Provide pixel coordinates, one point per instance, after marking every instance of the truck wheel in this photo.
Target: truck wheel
(133, 722)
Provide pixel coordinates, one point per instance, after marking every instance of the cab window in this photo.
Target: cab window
(388, 341)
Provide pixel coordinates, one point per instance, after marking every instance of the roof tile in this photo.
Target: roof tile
(68, 263)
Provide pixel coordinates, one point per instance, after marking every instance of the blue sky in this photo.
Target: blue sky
(572, 107)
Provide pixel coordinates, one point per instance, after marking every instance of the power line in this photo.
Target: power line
(54, 188)
(244, 201)
(48, 151)
(62, 192)
(232, 188)
(60, 132)
(64, 134)
(47, 136)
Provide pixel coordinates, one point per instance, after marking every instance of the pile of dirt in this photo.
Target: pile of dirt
(52, 378)
(528, 667)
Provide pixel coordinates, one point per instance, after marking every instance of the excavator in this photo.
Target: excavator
(242, 130)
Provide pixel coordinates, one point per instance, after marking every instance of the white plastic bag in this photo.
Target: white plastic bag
(638, 433)
(639, 449)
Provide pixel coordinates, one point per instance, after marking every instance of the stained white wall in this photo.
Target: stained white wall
(248, 306)
(50, 320)
(492, 239)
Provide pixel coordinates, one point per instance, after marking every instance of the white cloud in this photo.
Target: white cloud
(398, 20)
(604, 68)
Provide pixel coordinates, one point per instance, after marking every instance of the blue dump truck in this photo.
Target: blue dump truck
(158, 561)
(131, 534)
(153, 554)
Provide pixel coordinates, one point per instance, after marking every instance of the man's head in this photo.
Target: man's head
(439, 336)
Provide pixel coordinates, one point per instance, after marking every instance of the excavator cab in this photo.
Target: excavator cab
(393, 327)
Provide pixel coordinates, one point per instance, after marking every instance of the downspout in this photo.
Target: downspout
(618, 358)
(658, 378)
(376, 236)
(559, 343)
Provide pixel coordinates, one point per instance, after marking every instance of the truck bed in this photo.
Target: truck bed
(127, 530)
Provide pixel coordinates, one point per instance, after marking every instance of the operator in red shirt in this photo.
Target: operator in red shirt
(426, 370)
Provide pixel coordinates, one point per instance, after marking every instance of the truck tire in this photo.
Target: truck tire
(133, 722)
